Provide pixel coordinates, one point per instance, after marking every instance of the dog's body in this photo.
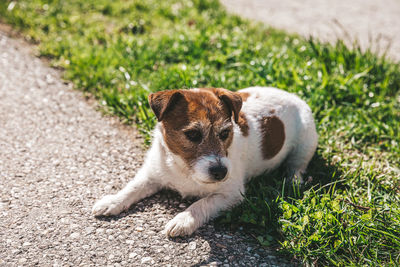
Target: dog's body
(197, 150)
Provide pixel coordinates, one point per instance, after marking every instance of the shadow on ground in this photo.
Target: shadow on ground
(233, 241)
(222, 245)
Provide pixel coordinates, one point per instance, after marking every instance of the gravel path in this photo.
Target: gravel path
(374, 23)
(57, 156)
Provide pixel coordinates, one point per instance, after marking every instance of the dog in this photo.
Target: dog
(209, 142)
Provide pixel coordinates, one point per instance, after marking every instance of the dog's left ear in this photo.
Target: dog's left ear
(163, 101)
(231, 99)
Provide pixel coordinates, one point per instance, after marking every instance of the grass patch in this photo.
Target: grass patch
(122, 50)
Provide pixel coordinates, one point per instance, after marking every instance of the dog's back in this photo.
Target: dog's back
(280, 126)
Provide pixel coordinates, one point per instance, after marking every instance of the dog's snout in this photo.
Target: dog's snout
(218, 172)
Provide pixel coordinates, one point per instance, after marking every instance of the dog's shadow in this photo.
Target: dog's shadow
(233, 240)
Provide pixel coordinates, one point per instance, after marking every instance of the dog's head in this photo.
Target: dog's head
(197, 126)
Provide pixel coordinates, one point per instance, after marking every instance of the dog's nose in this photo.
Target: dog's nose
(218, 172)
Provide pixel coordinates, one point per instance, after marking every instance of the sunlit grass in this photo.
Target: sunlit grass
(121, 50)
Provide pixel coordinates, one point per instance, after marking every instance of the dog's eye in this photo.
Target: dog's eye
(193, 135)
(224, 134)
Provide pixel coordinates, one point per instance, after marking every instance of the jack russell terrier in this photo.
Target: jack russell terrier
(209, 142)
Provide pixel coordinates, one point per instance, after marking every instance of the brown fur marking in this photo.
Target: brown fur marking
(273, 132)
(231, 99)
(161, 102)
(244, 127)
(244, 95)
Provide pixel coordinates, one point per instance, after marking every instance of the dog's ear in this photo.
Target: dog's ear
(161, 102)
(231, 99)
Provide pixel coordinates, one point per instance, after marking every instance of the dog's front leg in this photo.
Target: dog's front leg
(140, 187)
(185, 223)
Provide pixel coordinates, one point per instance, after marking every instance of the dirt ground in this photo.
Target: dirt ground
(57, 156)
(373, 24)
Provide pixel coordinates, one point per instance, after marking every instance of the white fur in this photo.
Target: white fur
(163, 169)
(203, 164)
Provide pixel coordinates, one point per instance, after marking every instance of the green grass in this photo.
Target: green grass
(120, 51)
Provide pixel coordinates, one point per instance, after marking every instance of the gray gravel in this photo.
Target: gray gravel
(57, 156)
(373, 23)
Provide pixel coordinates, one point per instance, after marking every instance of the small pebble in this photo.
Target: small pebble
(74, 235)
(192, 245)
(100, 230)
(146, 260)
(132, 255)
(89, 229)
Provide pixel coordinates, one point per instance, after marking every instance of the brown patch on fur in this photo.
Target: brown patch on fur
(273, 132)
(272, 111)
(201, 110)
(244, 127)
(161, 102)
(244, 95)
(231, 99)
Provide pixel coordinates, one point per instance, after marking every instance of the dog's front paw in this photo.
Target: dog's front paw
(183, 224)
(108, 205)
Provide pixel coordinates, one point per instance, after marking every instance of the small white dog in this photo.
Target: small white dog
(209, 142)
